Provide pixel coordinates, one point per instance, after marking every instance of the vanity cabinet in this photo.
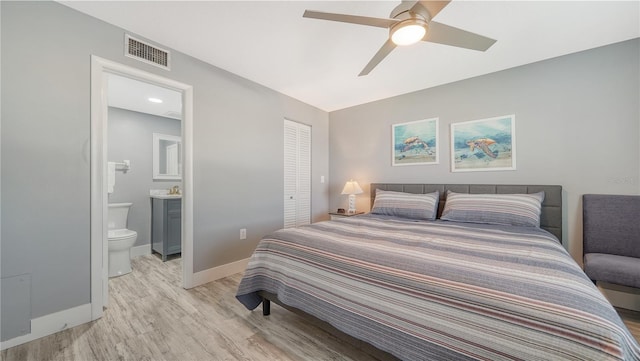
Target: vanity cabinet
(166, 226)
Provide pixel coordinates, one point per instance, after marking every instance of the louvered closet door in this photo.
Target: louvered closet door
(297, 174)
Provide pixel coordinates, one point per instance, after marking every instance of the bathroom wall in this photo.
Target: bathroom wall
(130, 137)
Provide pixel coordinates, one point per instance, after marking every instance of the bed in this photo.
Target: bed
(443, 284)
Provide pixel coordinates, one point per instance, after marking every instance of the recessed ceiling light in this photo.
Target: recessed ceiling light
(155, 100)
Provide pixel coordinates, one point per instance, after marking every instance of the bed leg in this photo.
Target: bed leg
(266, 307)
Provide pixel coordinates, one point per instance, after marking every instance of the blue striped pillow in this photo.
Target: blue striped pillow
(406, 205)
(504, 209)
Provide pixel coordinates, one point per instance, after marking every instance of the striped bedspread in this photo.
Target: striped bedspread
(441, 290)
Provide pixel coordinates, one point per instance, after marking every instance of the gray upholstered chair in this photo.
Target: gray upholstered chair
(611, 236)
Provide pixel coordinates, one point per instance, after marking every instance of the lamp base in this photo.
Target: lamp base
(352, 204)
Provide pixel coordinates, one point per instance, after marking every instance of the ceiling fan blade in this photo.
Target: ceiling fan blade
(380, 55)
(448, 35)
(433, 7)
(353, 19)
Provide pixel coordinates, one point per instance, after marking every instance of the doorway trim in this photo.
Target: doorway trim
(99, 200)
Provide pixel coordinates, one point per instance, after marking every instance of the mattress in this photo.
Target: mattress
(440, 290)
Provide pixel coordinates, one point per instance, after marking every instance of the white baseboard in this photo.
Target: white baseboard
(138, 251)
(219, 272)
(52, 323)
(621, 296)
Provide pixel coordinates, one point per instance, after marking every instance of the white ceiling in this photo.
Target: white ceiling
(134, 95)
(317, 62)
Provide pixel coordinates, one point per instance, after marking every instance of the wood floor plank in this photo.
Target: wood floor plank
(150, 317)
(632, 320)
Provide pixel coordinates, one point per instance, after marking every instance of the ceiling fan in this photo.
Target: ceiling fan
(409, 23)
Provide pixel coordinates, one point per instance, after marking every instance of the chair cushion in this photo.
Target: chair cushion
(611, 268)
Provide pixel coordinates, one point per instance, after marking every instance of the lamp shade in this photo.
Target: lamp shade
(351, 187)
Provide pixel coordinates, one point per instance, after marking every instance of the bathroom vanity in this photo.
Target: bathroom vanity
(166, 225)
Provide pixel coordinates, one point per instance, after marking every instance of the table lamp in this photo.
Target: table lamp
(352, 188)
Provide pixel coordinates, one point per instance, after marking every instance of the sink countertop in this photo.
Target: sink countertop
(166, 196)
(163, 194)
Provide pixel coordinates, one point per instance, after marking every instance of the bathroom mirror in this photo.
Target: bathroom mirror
(167, 157)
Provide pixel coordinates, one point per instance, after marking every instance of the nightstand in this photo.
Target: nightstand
(335, 216)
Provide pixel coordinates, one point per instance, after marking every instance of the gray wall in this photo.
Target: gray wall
(238, 151)
(130, 137)
(577, 125)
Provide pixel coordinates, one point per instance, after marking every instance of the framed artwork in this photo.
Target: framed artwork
(484, 145)
(415, 143)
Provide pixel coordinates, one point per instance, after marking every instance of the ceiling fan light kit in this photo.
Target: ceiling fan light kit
(408, 32)
(409, 23)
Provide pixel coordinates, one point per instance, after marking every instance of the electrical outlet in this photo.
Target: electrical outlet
(243, 233)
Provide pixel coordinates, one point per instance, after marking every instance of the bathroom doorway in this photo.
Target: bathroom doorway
(105, 105)
(144, 141)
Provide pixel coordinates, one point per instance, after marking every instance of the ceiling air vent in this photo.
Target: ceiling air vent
(145, 52)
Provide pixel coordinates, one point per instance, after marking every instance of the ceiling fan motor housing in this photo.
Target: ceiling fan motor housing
(406, 10)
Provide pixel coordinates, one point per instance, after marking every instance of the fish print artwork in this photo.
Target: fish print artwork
(484, 145)
(415, 143)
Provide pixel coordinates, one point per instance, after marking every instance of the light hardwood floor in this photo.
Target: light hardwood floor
(151, 317)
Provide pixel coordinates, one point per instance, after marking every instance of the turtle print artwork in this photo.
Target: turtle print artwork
(484, 145)
(415, 143)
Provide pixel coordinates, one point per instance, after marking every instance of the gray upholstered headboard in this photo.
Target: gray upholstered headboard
(550, 219)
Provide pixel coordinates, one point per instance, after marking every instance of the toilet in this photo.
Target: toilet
(120, 238)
